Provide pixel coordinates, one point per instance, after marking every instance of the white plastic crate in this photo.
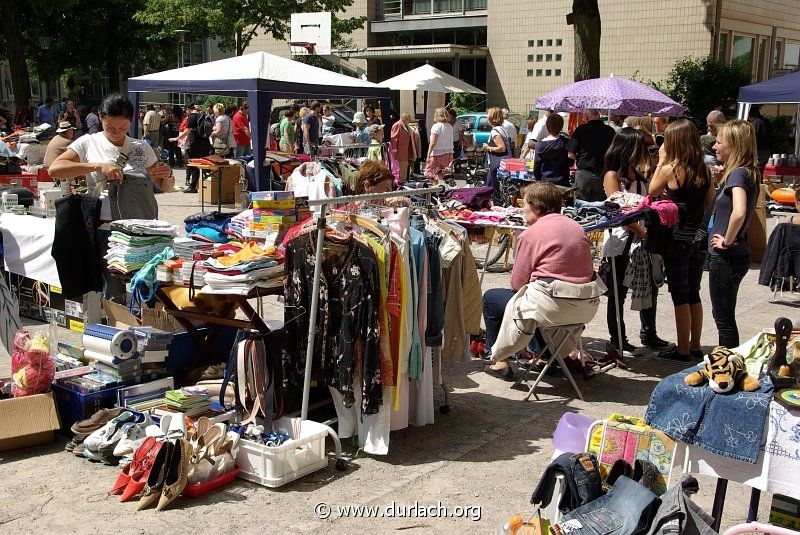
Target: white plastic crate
(278, 465)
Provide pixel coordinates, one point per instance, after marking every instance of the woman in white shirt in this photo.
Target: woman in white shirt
(440, 146)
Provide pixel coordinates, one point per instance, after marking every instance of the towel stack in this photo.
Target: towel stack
(253, 266)
(134, 242)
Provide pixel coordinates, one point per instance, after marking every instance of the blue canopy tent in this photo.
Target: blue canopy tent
(261, 78)
(782, 90)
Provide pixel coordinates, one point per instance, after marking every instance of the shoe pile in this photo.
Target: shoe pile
(109, 435)
(175, 455)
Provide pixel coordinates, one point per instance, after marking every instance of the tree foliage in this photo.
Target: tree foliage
(236, 22)
(84, 42)
(702, 84)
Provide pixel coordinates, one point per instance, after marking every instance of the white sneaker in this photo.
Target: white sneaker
(133, 435)
(96, 439)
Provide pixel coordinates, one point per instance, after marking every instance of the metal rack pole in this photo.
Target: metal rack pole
(321, 222)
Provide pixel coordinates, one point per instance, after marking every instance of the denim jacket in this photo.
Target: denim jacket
(582, 477)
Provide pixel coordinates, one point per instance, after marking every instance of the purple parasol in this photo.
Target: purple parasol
(616, 95)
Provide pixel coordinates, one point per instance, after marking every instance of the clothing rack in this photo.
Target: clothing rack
(321, 224)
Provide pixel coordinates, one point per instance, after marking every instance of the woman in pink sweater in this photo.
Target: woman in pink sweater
(553, 248)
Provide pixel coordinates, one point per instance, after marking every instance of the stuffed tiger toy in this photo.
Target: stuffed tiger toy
(723, 370)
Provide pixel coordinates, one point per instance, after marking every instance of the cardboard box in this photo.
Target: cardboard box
(231, 186)
(27, 421)
(43, 302)
(120, 317)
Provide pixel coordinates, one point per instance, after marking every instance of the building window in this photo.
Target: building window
(540, 42)
(742, 54)
(530, 57)
(549, 42)
(539, 57)
(549, 57)
(558, 57)
(530, 72)
(791, 57)
(531, 42)
(776, 61)
(548, 72)
(723, 47)
(538, 72)
(558, 72)
(559, 42)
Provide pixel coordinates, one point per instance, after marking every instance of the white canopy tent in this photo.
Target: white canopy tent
(260, 77)
(434, 82)
(429, 78)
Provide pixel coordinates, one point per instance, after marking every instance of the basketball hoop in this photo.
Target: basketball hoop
(301, 48)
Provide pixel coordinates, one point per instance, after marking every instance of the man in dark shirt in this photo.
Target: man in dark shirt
(198, 146)
(311, 129)
(588, 147)
(763, 136)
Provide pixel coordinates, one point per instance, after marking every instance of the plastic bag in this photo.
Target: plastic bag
(32, 368)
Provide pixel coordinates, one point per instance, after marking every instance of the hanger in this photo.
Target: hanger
(372, 226)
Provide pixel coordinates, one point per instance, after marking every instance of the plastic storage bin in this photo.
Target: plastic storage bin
(276, 466)
(74, 406)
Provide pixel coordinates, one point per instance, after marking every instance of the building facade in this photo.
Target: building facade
(518, 50)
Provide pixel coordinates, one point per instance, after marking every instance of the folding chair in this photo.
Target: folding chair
(554, 337)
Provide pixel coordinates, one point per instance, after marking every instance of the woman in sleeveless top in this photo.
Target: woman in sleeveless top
(682, 172)
(498, 148)
(626, 158)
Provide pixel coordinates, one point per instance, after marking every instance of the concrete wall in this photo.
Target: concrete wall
(628, 45)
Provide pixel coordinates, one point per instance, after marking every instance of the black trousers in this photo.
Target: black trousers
(725, 273)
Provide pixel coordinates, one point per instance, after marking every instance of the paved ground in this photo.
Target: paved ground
(488, 452)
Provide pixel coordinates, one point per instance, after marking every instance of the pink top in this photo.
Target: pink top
(556, 247)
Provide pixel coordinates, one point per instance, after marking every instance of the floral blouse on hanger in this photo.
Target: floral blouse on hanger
(346, 339)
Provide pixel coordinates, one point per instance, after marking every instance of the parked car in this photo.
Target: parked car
(477, 123)
(343, 114)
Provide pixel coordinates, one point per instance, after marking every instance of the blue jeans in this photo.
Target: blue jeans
(590, 184)
(627, 508)
(241, 150)
(725, 273)
(494, 305)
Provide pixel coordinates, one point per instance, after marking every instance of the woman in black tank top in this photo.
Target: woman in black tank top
(683, 175)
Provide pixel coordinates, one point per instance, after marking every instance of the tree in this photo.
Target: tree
(702, 84)
(585, 18)
(235, 22)
(13, 49)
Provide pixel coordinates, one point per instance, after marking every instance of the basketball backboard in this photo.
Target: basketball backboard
(313, 28)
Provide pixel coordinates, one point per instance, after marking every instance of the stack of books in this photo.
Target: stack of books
(190, 400)
(275, 212)
(187, 247)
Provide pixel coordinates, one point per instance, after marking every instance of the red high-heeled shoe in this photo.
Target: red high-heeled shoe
(138, 479)
(136, 465)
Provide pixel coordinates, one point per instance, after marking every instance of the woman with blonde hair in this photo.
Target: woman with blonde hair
(440, 146)
(684, 175)
(499, 148)
(738, 182)
(222, 134)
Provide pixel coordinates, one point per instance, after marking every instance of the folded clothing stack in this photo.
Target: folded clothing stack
(252, 266)
(184, 274)
(134, 242)
(209, 226)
